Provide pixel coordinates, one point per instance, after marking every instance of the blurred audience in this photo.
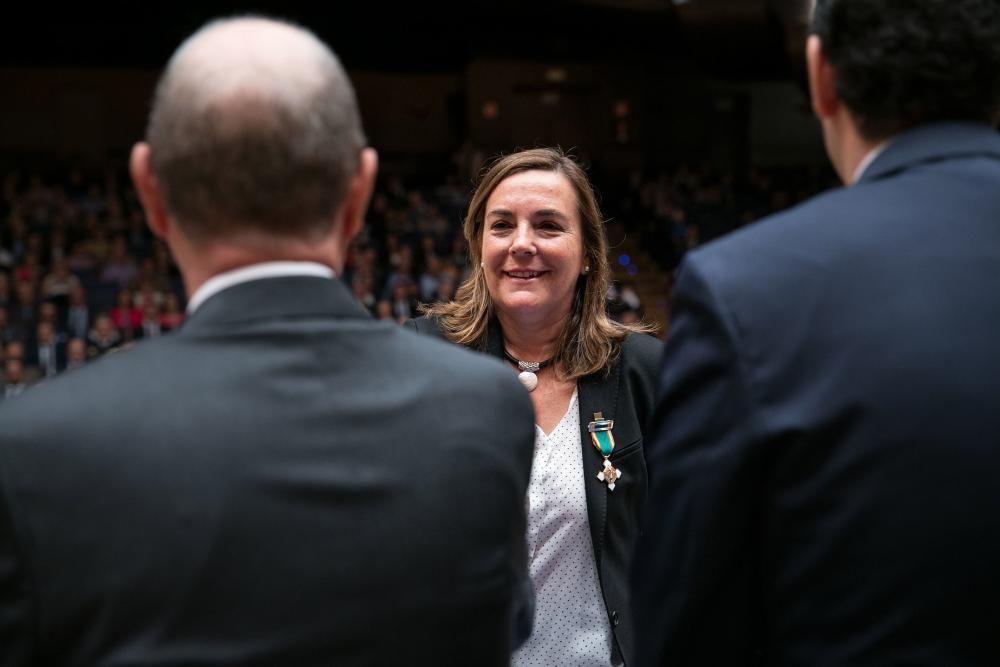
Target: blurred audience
(75, 252)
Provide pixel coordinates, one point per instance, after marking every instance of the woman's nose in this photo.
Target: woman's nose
(523, 241)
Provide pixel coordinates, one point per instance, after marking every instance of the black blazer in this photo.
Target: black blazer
(282, 481)
(826, 459)
(625, 394)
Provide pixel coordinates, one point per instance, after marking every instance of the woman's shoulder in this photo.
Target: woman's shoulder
(640, 372)
(643, 351)
(425, 324)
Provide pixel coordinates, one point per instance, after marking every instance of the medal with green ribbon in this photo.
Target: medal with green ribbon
(604, 441)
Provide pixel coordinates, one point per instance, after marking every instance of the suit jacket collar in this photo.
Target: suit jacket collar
(930, 143)
(275, 298)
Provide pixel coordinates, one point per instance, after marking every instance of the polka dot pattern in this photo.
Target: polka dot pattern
(571, 623)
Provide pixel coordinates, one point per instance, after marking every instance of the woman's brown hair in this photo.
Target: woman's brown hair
(590, 341)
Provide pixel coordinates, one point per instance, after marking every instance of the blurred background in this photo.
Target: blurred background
(691, 117)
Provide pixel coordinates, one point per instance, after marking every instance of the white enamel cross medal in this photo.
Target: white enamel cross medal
(604, 441)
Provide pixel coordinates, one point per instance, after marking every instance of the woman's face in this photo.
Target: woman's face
(533, 245)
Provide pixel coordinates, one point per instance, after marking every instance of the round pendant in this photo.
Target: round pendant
(528, 379)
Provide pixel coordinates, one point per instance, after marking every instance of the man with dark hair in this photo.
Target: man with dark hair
(283, 481)
(47, 352)
(823, 478)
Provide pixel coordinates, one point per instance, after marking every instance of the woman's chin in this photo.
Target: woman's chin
(525, 305)
(520, 304)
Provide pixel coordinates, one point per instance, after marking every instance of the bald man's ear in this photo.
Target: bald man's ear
(148, 188)
(359, 193)
(822, 84)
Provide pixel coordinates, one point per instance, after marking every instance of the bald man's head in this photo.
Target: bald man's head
(254, 128)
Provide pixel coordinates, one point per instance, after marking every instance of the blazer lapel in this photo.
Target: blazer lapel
(597, 394)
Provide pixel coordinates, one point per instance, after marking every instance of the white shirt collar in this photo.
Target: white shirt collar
(867, 160)
(245, 274)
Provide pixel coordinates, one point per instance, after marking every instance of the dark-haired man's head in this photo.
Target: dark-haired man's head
(897, 64)
(255, 145)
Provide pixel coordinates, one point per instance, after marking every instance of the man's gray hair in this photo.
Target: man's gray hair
(255, 129)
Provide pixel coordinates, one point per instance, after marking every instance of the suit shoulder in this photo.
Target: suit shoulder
(641, 358)
(642, 351)
(796, 246)
(641, 355)
(440, 348)
(74, 397)
(455, 364)
(774, 232)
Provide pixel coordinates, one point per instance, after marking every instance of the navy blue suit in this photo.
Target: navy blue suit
(825, 465)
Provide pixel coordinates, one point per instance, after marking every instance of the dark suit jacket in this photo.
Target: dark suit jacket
(284, 481)
(626, 395)
(826, 461)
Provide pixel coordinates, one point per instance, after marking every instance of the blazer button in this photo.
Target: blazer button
(614, 619)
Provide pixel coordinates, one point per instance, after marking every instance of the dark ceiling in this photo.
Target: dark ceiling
(730, 38)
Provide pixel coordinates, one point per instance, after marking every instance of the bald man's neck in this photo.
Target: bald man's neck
(200, 262)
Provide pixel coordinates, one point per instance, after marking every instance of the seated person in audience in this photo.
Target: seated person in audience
(14, 349)
(17, 350)
(446, 284)
(29, 270)
(361, 288)
(48, 311)
(46, 352)
(103, 337)
(150, 325)
(404, 306)
(23, 315)
(89, 253)
(78, 313)
(150, 274)
(13, 378)
(76, 353)
(124, 316)
(430, 279)
(120, 268)
(59, 282)
(383, 310)
(172, 315)
(146, 293)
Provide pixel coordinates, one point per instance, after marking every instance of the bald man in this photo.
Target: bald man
(284, 481)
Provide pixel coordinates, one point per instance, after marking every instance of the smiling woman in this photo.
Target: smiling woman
(533, 250)
(536, 299)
